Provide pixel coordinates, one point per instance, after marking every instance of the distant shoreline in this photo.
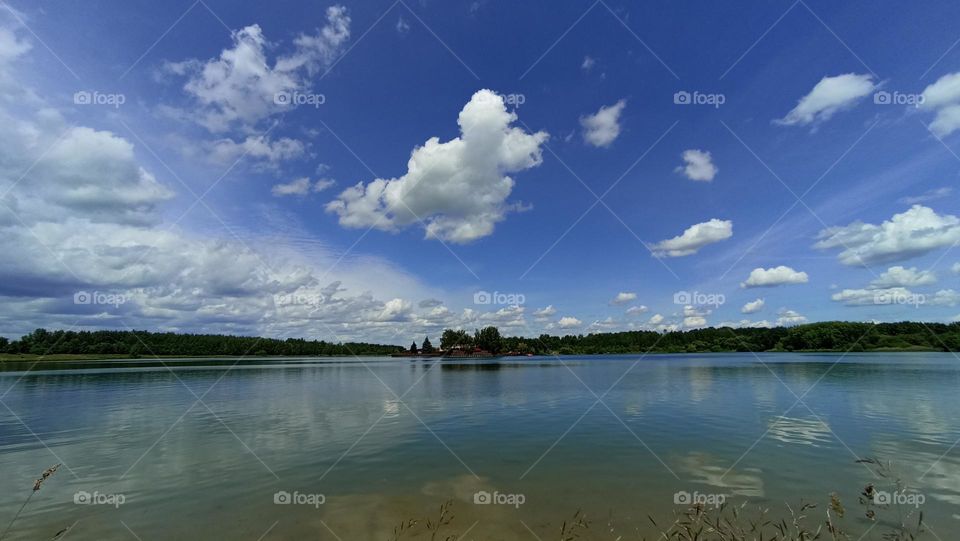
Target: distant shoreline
(4, 358)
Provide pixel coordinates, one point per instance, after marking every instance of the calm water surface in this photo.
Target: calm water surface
(199, 449)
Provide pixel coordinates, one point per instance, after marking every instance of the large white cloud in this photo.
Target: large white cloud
(569, 322)
(624, 297)
(459, 188)
(602, 128)
(89, 171)
(943, 97)
(694, 238)
(699, 165)
(903, 277)
(240, 87)
(909, 234)
(774, 276)
(830, 95)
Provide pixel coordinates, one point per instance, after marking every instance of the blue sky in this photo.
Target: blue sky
(213, 166)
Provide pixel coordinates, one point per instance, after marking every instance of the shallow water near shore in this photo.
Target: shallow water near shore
(348, 448)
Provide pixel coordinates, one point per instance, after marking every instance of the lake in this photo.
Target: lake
(349, 448)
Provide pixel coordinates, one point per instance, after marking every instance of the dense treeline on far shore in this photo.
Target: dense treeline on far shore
(147, 344)
(826, 336)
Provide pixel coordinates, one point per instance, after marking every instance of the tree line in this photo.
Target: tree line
(144, 343)
(826, 336)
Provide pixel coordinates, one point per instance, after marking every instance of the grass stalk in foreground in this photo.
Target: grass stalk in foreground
(36, 487)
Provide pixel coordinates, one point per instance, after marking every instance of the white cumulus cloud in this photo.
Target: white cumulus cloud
(909, 234)
(699, 165)
(459, 188)
(693, 238)
(240, 87)
(789, 318)
(775, 276)
(753, 307)
(943, 97)
(603, 127)
(568, 322)
(623, 297)
(830, 95)
(902, 277)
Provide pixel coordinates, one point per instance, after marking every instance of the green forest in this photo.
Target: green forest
(143, 343)
(826, 336)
